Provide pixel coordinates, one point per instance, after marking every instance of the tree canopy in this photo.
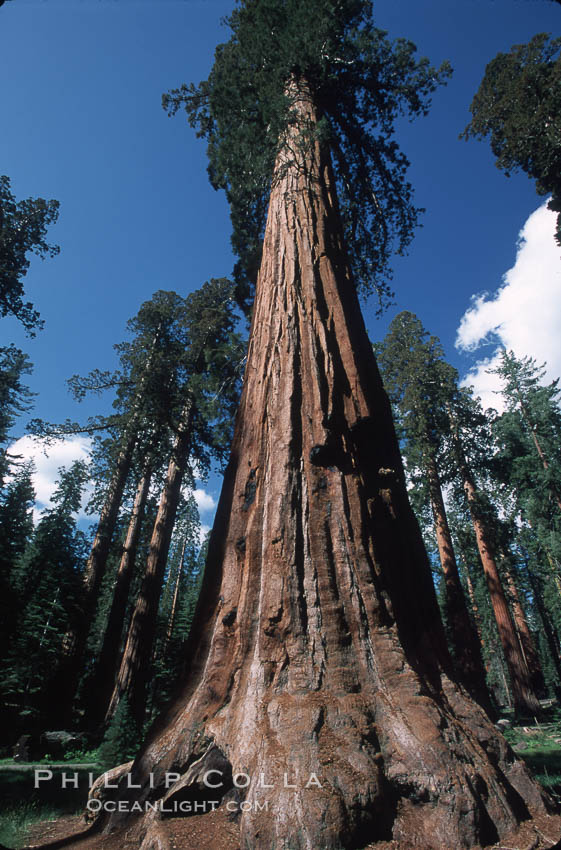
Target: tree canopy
(23, 228)
(360, 82)
(518, 105)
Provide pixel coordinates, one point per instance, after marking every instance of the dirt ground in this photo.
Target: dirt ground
(214, 831)
(211, 831)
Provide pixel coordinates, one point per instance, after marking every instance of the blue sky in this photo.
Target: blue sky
(80, 91)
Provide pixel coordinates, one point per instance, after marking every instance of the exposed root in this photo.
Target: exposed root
(101, 791)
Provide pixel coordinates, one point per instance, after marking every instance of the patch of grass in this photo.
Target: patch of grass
(541, 750)
(18, 786)
(70, 758)
(23, 805)
(545, 763)
(81, 756)
(16, 821)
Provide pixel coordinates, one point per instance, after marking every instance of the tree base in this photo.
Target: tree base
(351, 782)
(218, 831)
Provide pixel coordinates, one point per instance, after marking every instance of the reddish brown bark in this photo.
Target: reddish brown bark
(526, 640)
(134, 668)
(525, 700)
(464, 637)
(110, 655)
(97, 560)
(317, 646)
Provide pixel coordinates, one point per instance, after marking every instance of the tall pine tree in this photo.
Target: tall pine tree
(48, 581)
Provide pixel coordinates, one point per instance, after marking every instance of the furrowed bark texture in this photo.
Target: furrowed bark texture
(525, 700)
(317, 646)
(464, 637)
(110, 654)
(135, 663)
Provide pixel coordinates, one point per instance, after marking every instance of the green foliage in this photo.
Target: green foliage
(419, 382)
(442, 424)
(15, 397)
(16, 521)
(540, 747)
(24, 806)
(17, 820)
(177, 605)
(48, 584)
(81, 756)
(529, 432)
(16, 528)
(429, 406)
(518, 105)
(179, 347)
(359, 80)
(23, 229)
(528, 440)
(121, 739)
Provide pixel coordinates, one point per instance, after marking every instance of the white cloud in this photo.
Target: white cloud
(204, 530)
(47, 462)
(524, 314)
(204, 500)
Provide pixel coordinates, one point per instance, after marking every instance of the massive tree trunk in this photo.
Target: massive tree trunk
(317, 650)
(464, 637)
(110, 655)
(525, 700)
(135, 663)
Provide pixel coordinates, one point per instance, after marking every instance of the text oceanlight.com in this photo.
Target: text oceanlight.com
(176, 807)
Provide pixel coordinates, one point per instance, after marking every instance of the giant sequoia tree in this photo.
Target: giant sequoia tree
(317, 647)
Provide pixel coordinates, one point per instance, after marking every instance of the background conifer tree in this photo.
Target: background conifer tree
(518, 105)
(421, 385)
(48, 581)
(23, 229)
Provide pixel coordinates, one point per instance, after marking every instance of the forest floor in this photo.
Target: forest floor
(212, 831)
